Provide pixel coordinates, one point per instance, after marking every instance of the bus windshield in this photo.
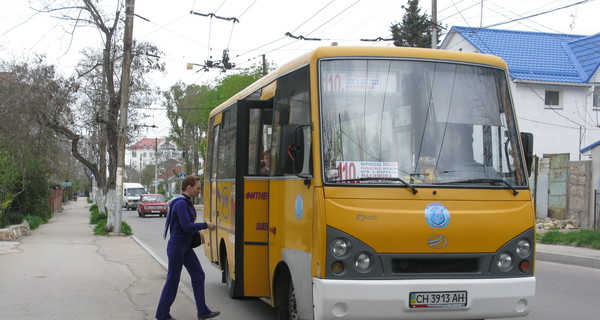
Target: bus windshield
(420, 122)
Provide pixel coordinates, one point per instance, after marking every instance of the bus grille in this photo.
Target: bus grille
(435, 265)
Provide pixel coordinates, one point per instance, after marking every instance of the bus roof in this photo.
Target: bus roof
(337, 51)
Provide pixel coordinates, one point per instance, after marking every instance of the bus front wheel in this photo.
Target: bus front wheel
(288, 309)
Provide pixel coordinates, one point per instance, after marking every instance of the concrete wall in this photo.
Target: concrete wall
(578, 192)
(579, 199)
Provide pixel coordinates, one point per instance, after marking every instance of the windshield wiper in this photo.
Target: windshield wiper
(406, 184)
(483, 180)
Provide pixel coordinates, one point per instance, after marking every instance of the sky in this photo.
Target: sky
(261, 28)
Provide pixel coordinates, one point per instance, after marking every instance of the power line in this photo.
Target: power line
(537, 14)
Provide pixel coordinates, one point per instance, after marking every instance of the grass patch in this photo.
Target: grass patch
(99, 219)
(100, 228)
(96, 216)
(581, 238)
(34, 221)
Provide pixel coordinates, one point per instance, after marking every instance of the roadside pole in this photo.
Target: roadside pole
(127, 47)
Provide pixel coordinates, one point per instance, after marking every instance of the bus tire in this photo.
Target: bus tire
(229, 282)
(288, 309)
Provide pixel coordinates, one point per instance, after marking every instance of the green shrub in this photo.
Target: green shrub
(100, 229)
(126, 229)
(581, 238)
(552, 237)
(96, 216)
(34, 221)
(586, 237)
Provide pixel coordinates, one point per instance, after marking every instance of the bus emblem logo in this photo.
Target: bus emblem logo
(436, 215)
(299, 207)
(437, 242)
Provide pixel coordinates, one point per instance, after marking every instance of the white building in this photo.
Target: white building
(145, 152)
(555, 80)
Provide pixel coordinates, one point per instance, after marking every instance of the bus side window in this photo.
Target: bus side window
(259, 141)
(292, 107)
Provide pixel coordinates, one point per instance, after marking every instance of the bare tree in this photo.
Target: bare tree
(101, 76)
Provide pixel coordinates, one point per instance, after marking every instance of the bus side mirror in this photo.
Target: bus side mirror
(527, 140)
(298, 150)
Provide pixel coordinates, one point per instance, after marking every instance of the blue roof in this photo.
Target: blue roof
(590, 147)
(538, 56)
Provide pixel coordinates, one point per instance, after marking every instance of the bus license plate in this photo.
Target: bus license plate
(442, 299)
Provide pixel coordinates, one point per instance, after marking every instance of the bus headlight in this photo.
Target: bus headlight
(523, 248)
(339, 247)
(504, 262)
(362, 262)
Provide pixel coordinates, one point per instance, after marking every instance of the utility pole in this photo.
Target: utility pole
(264, 60)
(434, 24)
(127, 48)
(155, 165)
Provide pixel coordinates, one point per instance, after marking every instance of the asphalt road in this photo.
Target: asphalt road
(563, 291)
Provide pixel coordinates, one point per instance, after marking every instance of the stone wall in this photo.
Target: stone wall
(15, 232)
(579, 184)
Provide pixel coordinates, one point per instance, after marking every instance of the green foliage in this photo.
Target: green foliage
(34, 221)
(96, 216)
(551, 237)
(581, 238)
(100, 228)
(126, 228)
(9, 178)
(415, 28)
(189, 106)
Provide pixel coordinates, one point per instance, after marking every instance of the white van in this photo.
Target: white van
(131, 195)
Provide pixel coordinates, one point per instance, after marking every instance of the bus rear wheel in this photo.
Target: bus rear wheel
(229, 282)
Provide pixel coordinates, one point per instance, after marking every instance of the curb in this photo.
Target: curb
(582, 261)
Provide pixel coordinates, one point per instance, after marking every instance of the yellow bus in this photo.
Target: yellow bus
(374, 183)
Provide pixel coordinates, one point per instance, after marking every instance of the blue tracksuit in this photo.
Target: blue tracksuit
(180, 219)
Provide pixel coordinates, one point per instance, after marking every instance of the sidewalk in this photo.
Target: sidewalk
(583, 257)
(63, 271)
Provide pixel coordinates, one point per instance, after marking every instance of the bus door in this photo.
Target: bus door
(211, 190)
(252, 197)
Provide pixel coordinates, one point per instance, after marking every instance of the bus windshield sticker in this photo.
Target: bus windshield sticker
(359, 82)
(436, 215)
(348, 170)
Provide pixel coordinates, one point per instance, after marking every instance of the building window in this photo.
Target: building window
(552, 99)
(133, 153)
(597, 98)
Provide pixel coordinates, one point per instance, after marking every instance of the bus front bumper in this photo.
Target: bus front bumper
(389, 299)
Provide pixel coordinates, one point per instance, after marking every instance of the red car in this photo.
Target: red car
(152, 204)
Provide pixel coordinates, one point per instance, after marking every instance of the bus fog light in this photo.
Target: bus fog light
(337, 267)
(523, 248)
(339, 247)
(504, 262)
(524, 266)
(362, 262)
